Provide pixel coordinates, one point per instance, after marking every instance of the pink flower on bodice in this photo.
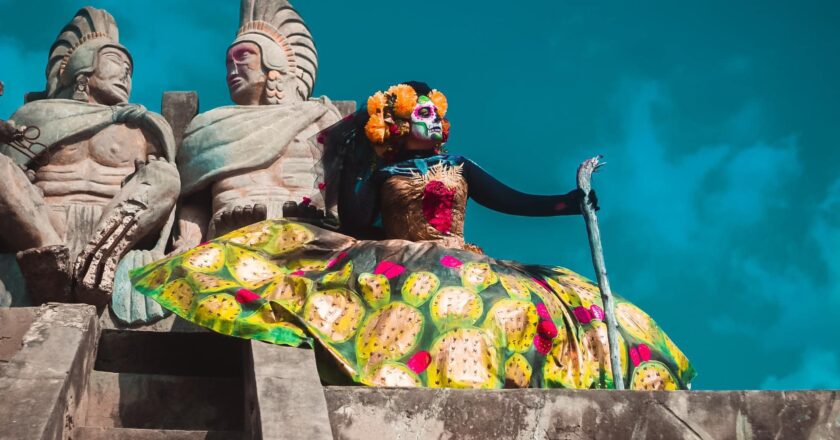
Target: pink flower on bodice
(437, 205)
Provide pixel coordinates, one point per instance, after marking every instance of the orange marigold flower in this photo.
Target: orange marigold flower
(376, 130)
(439, 99)
(376, 103)
(405, 100)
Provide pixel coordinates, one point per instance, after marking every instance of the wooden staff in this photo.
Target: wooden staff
(584, 182)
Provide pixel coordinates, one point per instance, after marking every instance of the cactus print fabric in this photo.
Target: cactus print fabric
(412, 314)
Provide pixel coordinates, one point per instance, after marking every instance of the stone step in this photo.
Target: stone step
(91, 433)
(159, 401)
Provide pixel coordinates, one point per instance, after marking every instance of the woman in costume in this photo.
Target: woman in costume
(418, 306)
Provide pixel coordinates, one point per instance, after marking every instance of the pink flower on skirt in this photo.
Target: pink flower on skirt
(244, 296)
(582, 314)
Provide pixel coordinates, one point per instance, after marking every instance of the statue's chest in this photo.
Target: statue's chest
(116, 145)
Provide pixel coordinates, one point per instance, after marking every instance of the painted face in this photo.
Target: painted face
(245, 77)
(425, 122)
(110, 83)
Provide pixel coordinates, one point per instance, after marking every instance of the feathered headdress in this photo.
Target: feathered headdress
(77, 46)
(284, 39)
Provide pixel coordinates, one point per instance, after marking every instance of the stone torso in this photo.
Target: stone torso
(424, 200)
(290, 177)
(92, 170)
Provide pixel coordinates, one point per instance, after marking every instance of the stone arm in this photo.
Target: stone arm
(193, 221)
(135, 215)
(493, 194)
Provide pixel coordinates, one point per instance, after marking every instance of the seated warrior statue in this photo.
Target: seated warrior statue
(240, 164)
(419, 308)
(86, 174)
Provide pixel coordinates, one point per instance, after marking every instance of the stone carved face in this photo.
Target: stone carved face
(110, 83)
(245, 77)
(426, 124)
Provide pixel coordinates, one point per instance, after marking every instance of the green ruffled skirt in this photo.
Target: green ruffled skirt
(399, 313)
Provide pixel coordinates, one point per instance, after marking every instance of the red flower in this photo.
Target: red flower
(306, 201)
(420, 361)
(543, 345)
(542, 311)
(583, 315)
(394, 129)
(547, 329)
(437, 205)
(244, 296)
(597, 312)
(644, 352)
(335, 260)
(298, 273)
(322, 185)
(389, 269)
(450, 261)
(634, 357)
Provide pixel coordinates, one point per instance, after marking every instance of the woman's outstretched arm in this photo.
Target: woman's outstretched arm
(493, 194)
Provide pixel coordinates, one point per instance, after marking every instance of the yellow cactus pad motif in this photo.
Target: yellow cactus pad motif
(155, 279)
(252, 236)
(636, 322)
(419, 287)
(376, 289)
(289, 237)
(205, 283)
(289, 291)
(516, 287)
(653, 376)
(389, 334)
(516, 320)
(552, 302)
(563, 365)
(595, 353)
(464, 358)
(563, 292)
(455, 306)
(478, 276)
(393, 374)
(218, 311)
(338, 278)
(307, 265)
(586, 294)
(207, 258)
(179, 296)
(335, 314)
(517, 372)
(679, 357)
(249, 268)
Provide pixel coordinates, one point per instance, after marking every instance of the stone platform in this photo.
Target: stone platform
(66, 373)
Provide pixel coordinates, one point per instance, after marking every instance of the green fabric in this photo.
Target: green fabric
(399, 313)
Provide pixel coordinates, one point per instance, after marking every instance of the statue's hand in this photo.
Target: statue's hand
(238, 217)
(7, 131)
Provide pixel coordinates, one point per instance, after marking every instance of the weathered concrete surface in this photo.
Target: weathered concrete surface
(179, 108)
(126, 400)
(285, 399)
(14, 323)
(87, 433)
(42, 383)
(364, 413)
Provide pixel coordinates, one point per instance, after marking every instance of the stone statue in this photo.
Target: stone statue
(87, 176)
(239, 164)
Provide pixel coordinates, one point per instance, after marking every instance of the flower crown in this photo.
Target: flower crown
(390, 115)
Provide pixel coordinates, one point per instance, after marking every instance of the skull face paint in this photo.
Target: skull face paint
(426, 123)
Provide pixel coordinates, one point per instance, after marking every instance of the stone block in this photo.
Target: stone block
(43, 381)
(582, 414)
(287, 399)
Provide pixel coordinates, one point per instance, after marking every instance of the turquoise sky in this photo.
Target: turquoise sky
(721, 201)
